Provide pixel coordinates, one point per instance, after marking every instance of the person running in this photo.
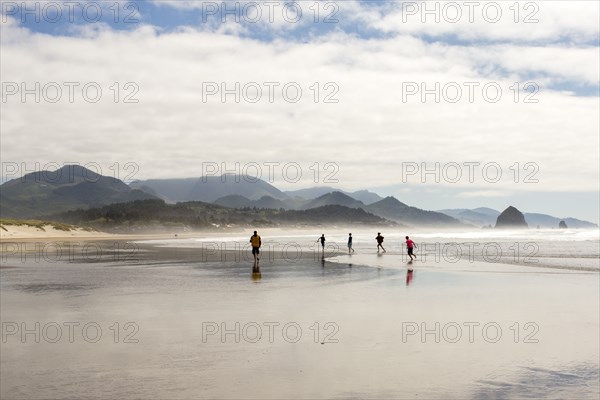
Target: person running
(256, 243)
(379, 239)
(350, 249)
(409, 247)
(322, 239)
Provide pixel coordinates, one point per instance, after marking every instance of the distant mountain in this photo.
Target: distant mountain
(334, 198)
(311, 193)
(393, 209)
(148, 190)
(210, 188)
(453, 212)
(68, 188)
(479, 217)
(237, 201)
(511, 218)
(487, 211)
(365, 196)
(578, 223)
(548, 221)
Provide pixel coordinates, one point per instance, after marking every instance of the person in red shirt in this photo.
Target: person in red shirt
(409, 246)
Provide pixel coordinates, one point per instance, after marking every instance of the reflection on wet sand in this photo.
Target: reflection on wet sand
(409, 276)
(256, 274)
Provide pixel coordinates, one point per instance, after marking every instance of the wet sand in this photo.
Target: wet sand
(179, 324)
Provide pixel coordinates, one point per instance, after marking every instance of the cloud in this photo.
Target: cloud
(495, 21)
(485, 193)
(252, 17)
(369, 133)
(471, 22)
(576, 64)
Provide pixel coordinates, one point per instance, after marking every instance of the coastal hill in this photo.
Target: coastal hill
(334, 198)
(393, 209)
(67, 188)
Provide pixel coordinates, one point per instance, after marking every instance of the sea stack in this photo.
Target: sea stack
(562, 225)
(511, 218)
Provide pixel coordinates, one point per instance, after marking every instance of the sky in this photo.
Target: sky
(440, 104)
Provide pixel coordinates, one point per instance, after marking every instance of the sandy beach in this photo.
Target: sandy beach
(23, 233)
(29, 233)
(182, 322)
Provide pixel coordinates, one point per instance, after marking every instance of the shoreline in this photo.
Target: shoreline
(31, 233)
(224, 246)
(123, 250)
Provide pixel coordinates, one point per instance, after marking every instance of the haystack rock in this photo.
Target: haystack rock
(511, 218)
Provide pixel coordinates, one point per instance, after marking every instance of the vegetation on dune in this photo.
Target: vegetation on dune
(39, 224)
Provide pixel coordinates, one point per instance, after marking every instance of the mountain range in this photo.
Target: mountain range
(73, 187)
(389, 208)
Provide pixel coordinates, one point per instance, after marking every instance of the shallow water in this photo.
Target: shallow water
(175, 327)
(577, 249)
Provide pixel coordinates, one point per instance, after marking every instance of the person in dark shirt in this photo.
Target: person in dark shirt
(379, 239)
(322, 239)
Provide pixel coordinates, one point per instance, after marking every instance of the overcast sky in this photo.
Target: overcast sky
(517, 88)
